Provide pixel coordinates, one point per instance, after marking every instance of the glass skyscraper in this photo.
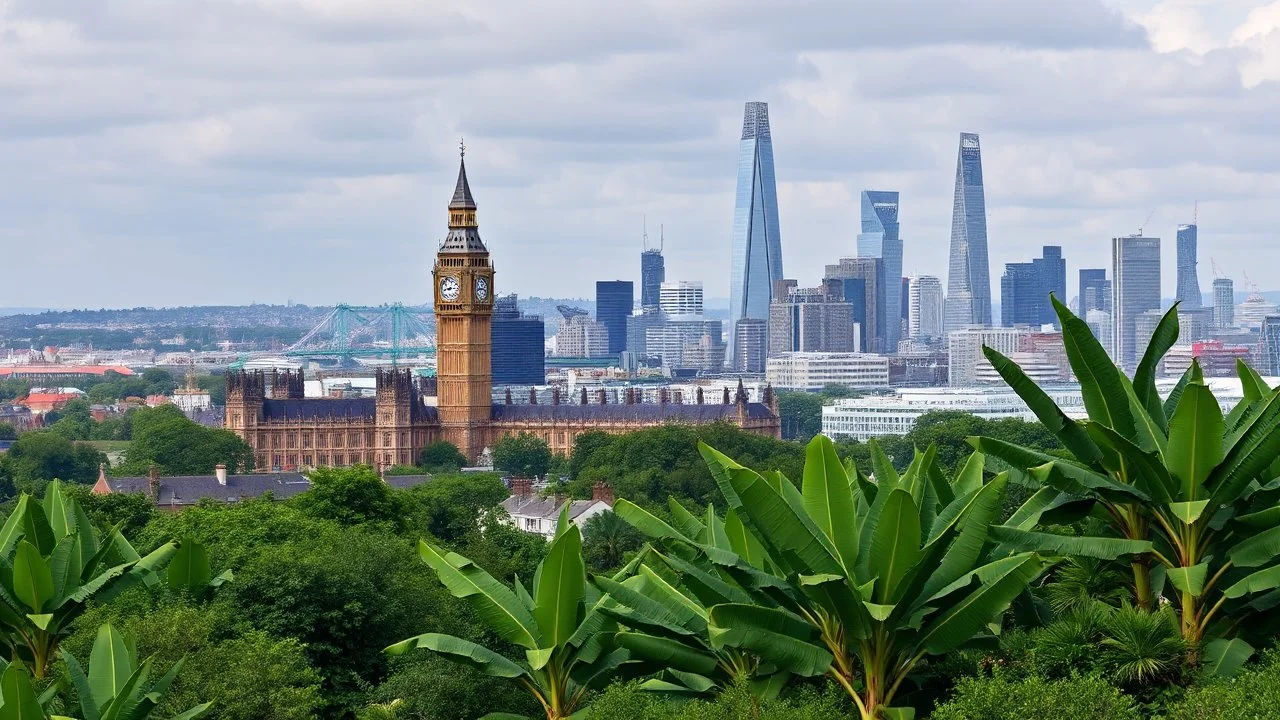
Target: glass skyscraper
(1135, 272)
(757, 247)
(1025, 289)
(1188, 280)
(1224, 303)
(1095, 290)
(880, 238)
(517, 339)
(615, 299)
(653, 270)
(968, 276)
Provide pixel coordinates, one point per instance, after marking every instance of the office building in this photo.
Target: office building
(751, 348)
(1135, 274)
(1020, 290)
(1188, 294)
(925, 302)
(1095, 291)
(880, 239)
(638, 327)
(813, 371)
(964, 349)
(1103, 328)
(968, 275)
(756, 262)
(812, 320)
(653, 271)
(860, 280)
(1025, 289)
(684, 297)
(518, 340)
(1255, 308)
(578, 336)
(1216, 358)
(691, 343)
(1269, 345)
(615, 300)
(872, 416)
(1224, 303)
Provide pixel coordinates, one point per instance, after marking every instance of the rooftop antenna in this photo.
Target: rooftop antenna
(662, 237)
(645, 231)
(1195, 214)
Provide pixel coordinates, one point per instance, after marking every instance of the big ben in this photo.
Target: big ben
(463, 281)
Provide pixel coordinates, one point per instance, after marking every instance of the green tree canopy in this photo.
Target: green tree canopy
(524, 454)
(448, 506)
(164, 436)
(442, 456)
(38, 457)
(350, 496)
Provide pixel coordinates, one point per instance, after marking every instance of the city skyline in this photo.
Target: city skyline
(325, 161)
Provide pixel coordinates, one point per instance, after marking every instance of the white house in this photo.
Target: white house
(533, 513)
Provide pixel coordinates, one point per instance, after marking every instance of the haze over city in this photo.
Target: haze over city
(210, 152)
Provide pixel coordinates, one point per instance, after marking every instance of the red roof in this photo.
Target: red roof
(41, 399)
(64, 370)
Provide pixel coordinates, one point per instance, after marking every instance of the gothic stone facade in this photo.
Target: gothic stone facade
(288, 431)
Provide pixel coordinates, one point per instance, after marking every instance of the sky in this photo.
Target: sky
(166, 153)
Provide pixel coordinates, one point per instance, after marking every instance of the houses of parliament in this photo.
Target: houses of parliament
(287, 430)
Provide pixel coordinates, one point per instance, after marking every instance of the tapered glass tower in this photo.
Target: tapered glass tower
(880, 238)
(968, 277)
(1188, 280)
(757, 247)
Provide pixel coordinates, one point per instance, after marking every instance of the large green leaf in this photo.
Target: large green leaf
(80, 681)
(126, 698)
(1256, 550)
(13, 526)
(1103, 548)
(1103, 390)
(743, 542)
(1066, 476)
(1224, 657)
(461, 651)
(775, 635)
(1189, 579)
(58, 511)
(895, 544)
(886, 477)
(959, 623)
(1195, 439)
(668, 653)
(36, 530)
(1175, 395)
(648, 524)
(781, 526)
(828, 499)
(32, 577)
(20, 701)
(1046, 410)
(1255, 446)
(657, 609)
(688, 525)
(496, 604)
(1260, 581)
(190, 569)
(559, 588)
(1144, 377)
(110, 665)
(1144, 469)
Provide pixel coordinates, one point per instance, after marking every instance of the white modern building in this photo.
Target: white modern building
(540, 515)
(812, 371)
(896, 414)
(964, 350)
(1037, 366)
(680, 297)
(924, 307)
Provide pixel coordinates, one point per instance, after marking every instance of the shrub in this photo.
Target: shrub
(629, 702)
(1254, 694)
(1034, 698)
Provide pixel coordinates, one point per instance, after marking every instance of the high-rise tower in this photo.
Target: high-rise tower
(880, 238)
(1224, 303)
(1188, 281)
(1135, 272)
(925, 320)
(757, 248)
(968, 276)
(653, 270)
(463, 279)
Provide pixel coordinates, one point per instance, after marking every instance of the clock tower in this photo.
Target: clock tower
(463, 281)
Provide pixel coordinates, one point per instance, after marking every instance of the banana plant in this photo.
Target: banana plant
(568, 649)
(116, 686)
(857, 579)
(1200, 486)
(665, 607)
(52, 565)
(191, 572)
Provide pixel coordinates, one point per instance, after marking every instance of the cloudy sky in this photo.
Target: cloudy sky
(165, 152)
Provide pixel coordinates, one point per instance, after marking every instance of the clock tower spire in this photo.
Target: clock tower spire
(463, 280)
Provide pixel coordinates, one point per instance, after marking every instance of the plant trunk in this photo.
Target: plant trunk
(1142, 585)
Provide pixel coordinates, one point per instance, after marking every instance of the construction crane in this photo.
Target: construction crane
(1145, 223)
(1217, 271)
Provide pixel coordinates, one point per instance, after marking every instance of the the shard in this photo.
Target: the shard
(757, 247)
(968, 277)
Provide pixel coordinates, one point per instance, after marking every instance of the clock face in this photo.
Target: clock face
(449, 288)
(482, 288)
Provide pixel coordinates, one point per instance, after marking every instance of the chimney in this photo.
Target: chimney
(602, 492)
(726, 396)
(583, 400)
(602, 396)
(698, 395)
(153, 482)
(533, 396)
(508, 398)
(521, 487)
(220, 471)
(555, 395)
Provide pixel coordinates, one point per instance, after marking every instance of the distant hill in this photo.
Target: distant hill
(7, 311)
